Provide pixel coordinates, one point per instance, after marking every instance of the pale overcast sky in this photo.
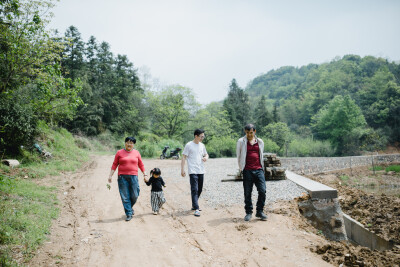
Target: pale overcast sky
(204, 44)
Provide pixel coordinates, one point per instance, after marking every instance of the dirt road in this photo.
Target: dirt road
(91, 230)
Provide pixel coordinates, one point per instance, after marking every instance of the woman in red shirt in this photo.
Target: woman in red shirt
(128, 161)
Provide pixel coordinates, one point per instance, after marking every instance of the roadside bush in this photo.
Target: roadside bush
(376, 168)
(147, 149)
(149, 137)
(270, 146)
(395, 168)
(110, 141)
(306, 147)
(373, 140)
(18, 125)
(221, 147)
(66, 155)
(153, 149)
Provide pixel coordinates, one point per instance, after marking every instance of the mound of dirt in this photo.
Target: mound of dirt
(349, 255)
(379, 213)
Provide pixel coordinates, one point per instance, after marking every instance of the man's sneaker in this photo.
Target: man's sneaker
(197, 213)
(195, 209)
(261, 215)
(155, 212)
(128, 218)
(247, 217)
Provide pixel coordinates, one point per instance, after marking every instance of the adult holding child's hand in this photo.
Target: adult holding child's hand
(128, 161)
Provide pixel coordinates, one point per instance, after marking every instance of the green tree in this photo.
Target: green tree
(279, 133)
(88, 119)
(337, 120)
(73, 56)
(18, 125)
(26, 46)
(31, 59)
(214, 120)
(275, 115)
(53, 97)
(261, 115)
(111, 88)
(170, 110)
(30, 75)
(291, 111)
(238, 107)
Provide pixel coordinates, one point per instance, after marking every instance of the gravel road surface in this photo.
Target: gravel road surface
(224, 194)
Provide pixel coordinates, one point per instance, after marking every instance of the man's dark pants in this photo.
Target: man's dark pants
(257, 178)
(196, 186)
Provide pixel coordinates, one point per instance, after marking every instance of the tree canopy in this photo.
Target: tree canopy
(301, 92)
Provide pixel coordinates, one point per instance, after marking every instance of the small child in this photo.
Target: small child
(157, 194)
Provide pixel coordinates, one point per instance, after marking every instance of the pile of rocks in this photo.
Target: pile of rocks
(273, 169)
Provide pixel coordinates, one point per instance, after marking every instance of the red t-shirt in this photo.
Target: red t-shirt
(127, 162)
(253, 157)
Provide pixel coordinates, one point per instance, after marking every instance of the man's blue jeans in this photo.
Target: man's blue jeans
(257, 178)
(129, 191)
(196, 186)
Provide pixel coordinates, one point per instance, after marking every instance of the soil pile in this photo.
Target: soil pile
(379, 213)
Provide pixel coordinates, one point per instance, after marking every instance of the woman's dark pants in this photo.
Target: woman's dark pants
(257, 178)
(129, 191)
(196, 186)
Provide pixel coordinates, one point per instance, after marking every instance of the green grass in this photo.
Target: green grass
(395, 168)
(376, 168)
(67, 156)
(27, 209)
(345, 179)
(26, 214)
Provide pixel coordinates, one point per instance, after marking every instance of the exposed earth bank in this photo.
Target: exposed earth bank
(362, 196)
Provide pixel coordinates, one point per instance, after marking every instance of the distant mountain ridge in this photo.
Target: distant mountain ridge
(288, 80)
(300, 92)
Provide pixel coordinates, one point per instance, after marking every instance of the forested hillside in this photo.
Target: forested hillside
(348, 106)
(301, 94)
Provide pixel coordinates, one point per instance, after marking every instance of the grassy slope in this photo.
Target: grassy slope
(27, 209)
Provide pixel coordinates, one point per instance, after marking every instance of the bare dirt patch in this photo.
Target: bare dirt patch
(378, 212)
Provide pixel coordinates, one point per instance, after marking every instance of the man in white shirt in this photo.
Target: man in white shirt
(196, 154)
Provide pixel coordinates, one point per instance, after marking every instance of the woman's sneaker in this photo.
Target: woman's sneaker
(197, 213)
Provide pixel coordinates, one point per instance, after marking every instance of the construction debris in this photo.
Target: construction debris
(273, 170)
(238, 177)
(273, 167)
(10, 162)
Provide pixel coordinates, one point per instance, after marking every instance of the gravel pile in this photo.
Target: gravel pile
(217, 193)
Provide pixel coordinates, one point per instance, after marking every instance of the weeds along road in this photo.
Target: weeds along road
(92, 231)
